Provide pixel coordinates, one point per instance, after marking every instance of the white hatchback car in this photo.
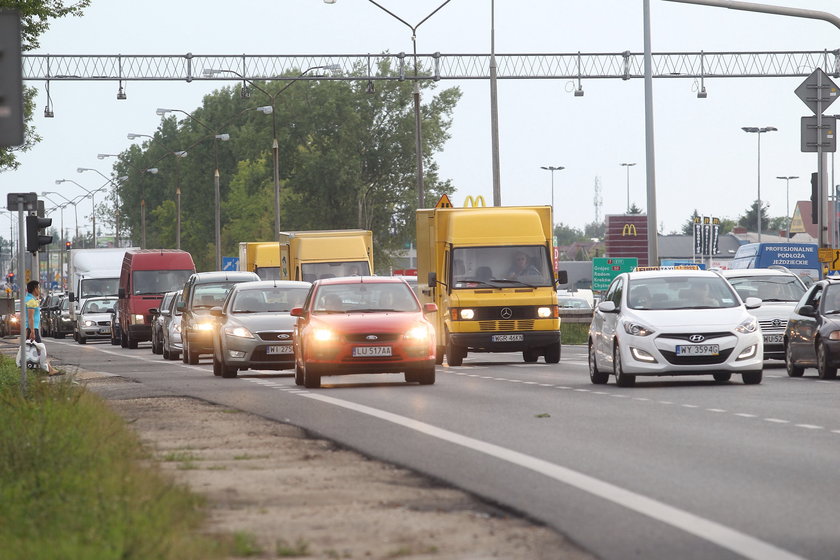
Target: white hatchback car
(674, 322)
(779, 290)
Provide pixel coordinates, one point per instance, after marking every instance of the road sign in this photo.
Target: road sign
(230, 263)
(443, 202)
(605, 269)
(825, 138)
(817, 91)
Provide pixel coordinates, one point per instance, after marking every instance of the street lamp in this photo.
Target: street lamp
(418, 133)
(758, 131)
(552, 169)
(73, 201)
(787, 199)
(92, 202)
(153, 171)
(628, 166)
(275, 145)
(108, 181)
(133, 135)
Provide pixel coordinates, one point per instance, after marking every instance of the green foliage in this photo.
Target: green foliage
(566, 235)
(72, 484)
(346, 160)
(749, 219)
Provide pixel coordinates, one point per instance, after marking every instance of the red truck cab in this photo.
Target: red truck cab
(145, 276)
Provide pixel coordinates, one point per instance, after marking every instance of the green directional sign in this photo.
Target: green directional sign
(604, 269)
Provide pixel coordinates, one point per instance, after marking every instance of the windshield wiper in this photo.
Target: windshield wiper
(474, 281)
(520, 282)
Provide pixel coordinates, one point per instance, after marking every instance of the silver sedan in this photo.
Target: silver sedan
(254, 328)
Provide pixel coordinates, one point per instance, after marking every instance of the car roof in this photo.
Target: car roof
(670, 273)
(221, 275)
(736, 272)
(265, 284)
(360, 280)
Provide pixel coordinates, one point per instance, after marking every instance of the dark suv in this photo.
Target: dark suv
(203, 291)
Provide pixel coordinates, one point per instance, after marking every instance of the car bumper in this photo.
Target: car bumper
(505, 341)
(658, 355)
(200, 341)
(340, 360)
(140, 333)
(248, 353)
(96, 332)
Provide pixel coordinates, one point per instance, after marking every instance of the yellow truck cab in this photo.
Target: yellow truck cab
(312, 255)
(262, 257)
(490, 272)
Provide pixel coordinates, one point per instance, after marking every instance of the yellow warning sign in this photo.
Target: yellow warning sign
(443, 202)
(831, 257)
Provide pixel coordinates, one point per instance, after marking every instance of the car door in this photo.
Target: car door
(605, 325)
(803, 328)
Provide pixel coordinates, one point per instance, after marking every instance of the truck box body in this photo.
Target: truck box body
(262, 257)
(146, 275)
(465, 260)
(94, 272)
(311, 255)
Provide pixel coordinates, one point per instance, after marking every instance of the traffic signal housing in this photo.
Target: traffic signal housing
(68, 245)
(815, 198)
(34, 239)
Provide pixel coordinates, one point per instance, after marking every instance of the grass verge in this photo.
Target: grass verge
(76, 483)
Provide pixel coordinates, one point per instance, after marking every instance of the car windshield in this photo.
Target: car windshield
(318, 271)
(99, 305)
(573, 303)
(96, 287)
(680, 292)
(269, 300)
(159, 281)
(500, 267)
(768, 288)
(368, 297)
(210, 294)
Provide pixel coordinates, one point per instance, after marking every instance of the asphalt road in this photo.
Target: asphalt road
(672, 468)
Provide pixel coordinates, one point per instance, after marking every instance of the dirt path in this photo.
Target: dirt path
(272, 481)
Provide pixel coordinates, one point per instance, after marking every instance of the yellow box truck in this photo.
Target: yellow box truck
(490, 272)
(312, 255)
(262, 257)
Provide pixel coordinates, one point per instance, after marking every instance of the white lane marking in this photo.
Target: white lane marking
(745, 415)
(715, 410)
(665, 402)
(641, 399)
(809, 426)
(740, 543)
(777, 420)
(690, 406)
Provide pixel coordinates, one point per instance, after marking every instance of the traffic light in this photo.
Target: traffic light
(34, 239)
(815, 198)
(68, 245)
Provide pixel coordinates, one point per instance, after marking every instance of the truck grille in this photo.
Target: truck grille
(506, 325)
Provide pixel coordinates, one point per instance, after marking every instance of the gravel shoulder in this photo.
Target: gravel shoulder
(274, 482)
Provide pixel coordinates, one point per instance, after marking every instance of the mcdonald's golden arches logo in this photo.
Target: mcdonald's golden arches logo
(629, 229)
(474, 202)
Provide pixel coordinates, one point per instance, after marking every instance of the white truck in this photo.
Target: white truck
(93, 272)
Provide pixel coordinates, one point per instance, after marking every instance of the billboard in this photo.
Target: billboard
(627, 236)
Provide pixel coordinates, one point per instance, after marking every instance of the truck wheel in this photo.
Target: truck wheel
(552, 353)
(132, 343)
(123, 340)
(530, 355)
(454, 353)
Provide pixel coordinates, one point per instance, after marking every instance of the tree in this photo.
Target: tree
(566, 235)
(749, 218)
(634, 209)
(595, 230)
(35, 17)
(688, 226)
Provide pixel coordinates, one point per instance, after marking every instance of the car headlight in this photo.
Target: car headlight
(88, 323)
(323, 335)
(204, 326)
(418, 333)
(747, 326)
(834, 335)
(13, 319)
(637, 329)
(241, 332)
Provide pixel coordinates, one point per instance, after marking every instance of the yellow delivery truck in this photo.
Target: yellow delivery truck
(262, 257)
(312, 255)
(490, 272)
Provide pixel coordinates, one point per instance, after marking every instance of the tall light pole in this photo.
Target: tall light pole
(758, 131)
(272, 110)
(418, 133)
(552, 168)
(72, 201)
(108, 181)
(787, 199)
(92, 202)
(628, 166)
(153, 171)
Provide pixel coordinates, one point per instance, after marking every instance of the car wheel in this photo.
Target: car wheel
(229, 372)
(621, 378)
(165, 352)
(454, 353)
(552, 353)
(311, 377)
(530, 355)
(184, 346)
(81, 340)
(595, 375)
(722, 377)
(793, 370)
(59, 336)
(217, 366)
(439, 352)
(115, 338)
(423, 375)
(752, 377)
(190, 357)
(298, 374)
(123, 340)
(823, 368)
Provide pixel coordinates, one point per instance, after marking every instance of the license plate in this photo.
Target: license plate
(698, 350)
(774, 338)
(508, 337)
(371, 351)
(105, 330)
(285, 349)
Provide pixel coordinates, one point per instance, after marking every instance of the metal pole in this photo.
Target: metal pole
(143, 223)
(93, 219)
(650, 159)
(275, 149)
(758, 210)
(178, 222)
(494, 114)
(21, 295)
(766, 9)
(218, 220)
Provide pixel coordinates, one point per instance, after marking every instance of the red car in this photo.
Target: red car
(363, 324)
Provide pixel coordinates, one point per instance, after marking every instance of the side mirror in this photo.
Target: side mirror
(432, 279)
(752, 303)
(217, 312)
(71, 296)
(166, 312)
(154, 311)
(110, 310)
(296, 312)
(429, 307)
(562, 277)
(807, 310)
(607, 307)
(120, 294)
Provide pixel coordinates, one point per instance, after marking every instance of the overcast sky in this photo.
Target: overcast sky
(704, 160)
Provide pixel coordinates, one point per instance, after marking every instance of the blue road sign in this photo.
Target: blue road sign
(230, 263)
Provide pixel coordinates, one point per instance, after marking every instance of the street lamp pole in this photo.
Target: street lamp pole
(552, 168)
(758, 131)
(69, 201)
(108, 180)
(787, 199)
(92, 202)
(628, 166)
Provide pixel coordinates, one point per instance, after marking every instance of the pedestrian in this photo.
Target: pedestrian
(32, 304)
